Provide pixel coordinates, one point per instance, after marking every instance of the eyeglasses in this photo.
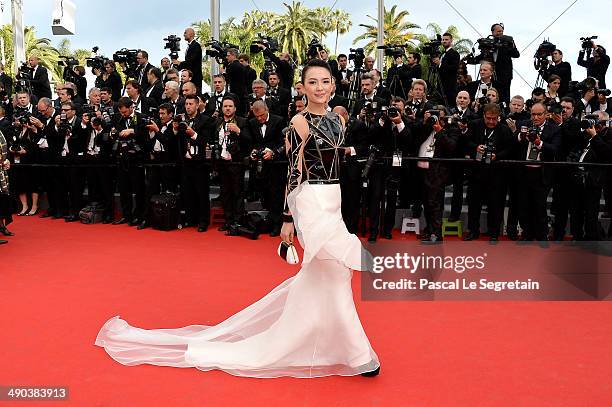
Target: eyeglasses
(66, 110)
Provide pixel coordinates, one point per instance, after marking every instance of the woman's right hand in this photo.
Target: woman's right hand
(287, 232)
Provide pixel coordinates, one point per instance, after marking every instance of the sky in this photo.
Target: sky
(111, 24)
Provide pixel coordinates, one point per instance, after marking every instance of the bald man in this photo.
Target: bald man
(41, 87)
(193, 58)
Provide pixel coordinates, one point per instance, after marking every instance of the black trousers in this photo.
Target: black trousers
(131, 183)
(383, 187)
(513, 181)
(350, 188)
(270, 185)
(231, 175)
(195, 189)
(434, 184)
(101, 184)
(533, 192)
(47, 180)
(561, 201)
(585, 200)
(486, 186)
(457, 178)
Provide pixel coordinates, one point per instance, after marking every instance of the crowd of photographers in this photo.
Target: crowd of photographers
(157, 133)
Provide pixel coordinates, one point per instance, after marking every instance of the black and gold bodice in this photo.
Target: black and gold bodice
(317, 157)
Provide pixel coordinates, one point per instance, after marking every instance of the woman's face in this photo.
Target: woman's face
(317, 85)
(554, 85)
(492, 96)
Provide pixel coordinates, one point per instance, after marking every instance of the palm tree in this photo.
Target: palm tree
(462, 45)
(397, 30)
(295, 29)
(341, 24)
(41, 47)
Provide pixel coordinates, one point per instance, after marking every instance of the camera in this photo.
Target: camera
(182, 124)
(96, 62)
(372, 109)
(530, 133)
(555, 108)
(393, 112)
(432, 48)
(218, 50)
(268, 42)
(433, 118)
(64, 128)
(587, 42)
(544, 51)
(589, 121)
(373, 152)
(605, 92)
(68, 63)
(173, 43)
(23, 117)
(487, 155)
(127, 57)
(215, 150)
(357, 55)
(258, 155)
(488, 45)
(314, 47)
(394, 50)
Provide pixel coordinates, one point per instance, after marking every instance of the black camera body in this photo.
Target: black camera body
(589, 121)
(127, 57)
(587, 42)
(182, 123)
(173, 43)
(218, 50)
(96, 62)
(268, 42)
(23, 117)
(314, 47)
(357, 55)
(394, 50)
(373, 153)
(432, 48)
(434, 117)
(487, 155)
(258, 155)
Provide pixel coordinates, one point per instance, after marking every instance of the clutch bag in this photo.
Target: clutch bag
(288, 253)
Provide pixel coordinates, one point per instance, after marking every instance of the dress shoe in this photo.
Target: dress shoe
(71, 218)
(134, 222)
(46, 215)
(32, 213)
(143, 225)
(386, 235)
(372, 373)
(120, 221)
(471, 236)
(223, 228)
(24, 213)
(6, 232)
(372, 238)
(432, 239)
(58, 216)
(3, 241)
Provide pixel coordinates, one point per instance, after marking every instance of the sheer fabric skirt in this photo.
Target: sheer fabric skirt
(305, 327)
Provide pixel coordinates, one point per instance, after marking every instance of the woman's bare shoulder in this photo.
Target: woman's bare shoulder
(300, 124)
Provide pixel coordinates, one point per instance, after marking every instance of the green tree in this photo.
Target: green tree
(341, 24)
(397, 30)
(41, 47)
(462, 45)
(295, 29)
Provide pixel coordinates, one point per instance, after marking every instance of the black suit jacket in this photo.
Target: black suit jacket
(241, 142)
(503, 63)
(473, 87)
(551, 139)
(144, 82)
(155, 93)
(113, 82)
(600, 151)
(203, 125)
(358, 137)
(7, 83)
(502, 138)
(284, 68)
(564, 71)
(235, 76)
(338, 100)
(448, 71)
(399, 80)
(193, 62)
(40, 83)
(273, 139)
(341, 89)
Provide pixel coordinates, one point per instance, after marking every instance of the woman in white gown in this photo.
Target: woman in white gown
(308, 325)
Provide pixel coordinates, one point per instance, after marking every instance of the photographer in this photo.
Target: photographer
(281, 94)
(193, 58)
(156, 87)
(356, 142)
(213, 107)
(260, 92)
(235, 75)
(552, 89)
(193, 131)
(40, 79)
(70, 136)
(492, 96)
(267, 151)
(505, 51)
(571, 140)
(140, 75)
(110, 78)
(129, 144)
(418, 103)
(171, 91)
(478, 89)
(98, 158)
(398, 77)
(596, 64)
(5, 198)
(448, 65)
(368, 98)
(80, 81)
(343, 76)
(605, 102)
(106, 101)
(391, 136)
(232, 144)
(134, 92)
(250, 73)
(335, 99)
(539, 140)
(284, 67)
(587, 182)
(488, 140)
(6, 82)
(436, 137)
(560, 68)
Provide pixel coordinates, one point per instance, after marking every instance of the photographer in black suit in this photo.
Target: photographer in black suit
(134, 92)
(41, 88)
(155, 92)
(6, 82)
(343, 76)
(267, 150)
(232, 141)
(250, 73)
(194, 132)
(539, 140)
(193, 58)
(479, 88)
(368, 96)
(398, 77)
(235, 75)
(560, 68)
(505, 51)
(275, 90)
(284, 67)
(448, 64)
(335, 99)
(596, 61)
(356, 143)
(142, 57)
(110, 78)
(587, 182)
(129, 137)
(488, 140)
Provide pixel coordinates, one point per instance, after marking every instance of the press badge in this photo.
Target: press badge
(397, 159)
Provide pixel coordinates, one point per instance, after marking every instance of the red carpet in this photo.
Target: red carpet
(60, 282)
